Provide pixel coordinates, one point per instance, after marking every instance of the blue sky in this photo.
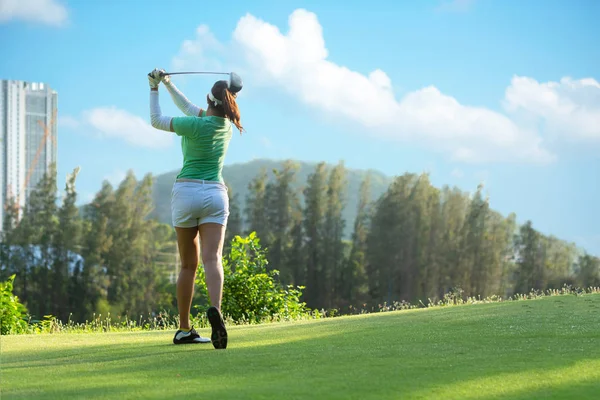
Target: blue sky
(504, 92)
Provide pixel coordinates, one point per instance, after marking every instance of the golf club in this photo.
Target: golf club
(235, 81)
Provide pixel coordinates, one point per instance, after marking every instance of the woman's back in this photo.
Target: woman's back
(204, 144)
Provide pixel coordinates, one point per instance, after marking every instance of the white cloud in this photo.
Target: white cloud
(67, 121)
(201, 53)
(115, 123)
(50, 12)
(569, 108)
(297, 62)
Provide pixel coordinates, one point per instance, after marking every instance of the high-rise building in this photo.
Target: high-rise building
(28, 136)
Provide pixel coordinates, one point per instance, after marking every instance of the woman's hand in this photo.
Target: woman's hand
(154, 78)
(165, 79)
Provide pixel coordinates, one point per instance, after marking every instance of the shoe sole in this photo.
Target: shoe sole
(187, 342)
(218, 336)
(191, 342)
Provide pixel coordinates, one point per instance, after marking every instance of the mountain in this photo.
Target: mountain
(238, 176)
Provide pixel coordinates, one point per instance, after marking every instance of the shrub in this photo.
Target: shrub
(13, 314)
(251, 293)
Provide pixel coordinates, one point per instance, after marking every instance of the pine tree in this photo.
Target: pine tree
(38, 228)
(333, 259)
(143, 276)
(561, 261)
(527, 248)
(256, 208)
(234, 222)
(402, 271)
(65, 244)
(431, 231)
(475, 233)
(121, 256)
(354, 280)
(296, 253)
(314, 218)
(91, 295)
(282, 202)
(498, 249)
(453, 214)
(588, 271)
(385, 245)
(9, 255)
(22, 258)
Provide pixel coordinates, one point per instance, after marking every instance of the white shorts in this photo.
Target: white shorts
(196, 202)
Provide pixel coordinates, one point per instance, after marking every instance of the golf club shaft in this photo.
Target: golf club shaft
(234, 85)
(196, 72)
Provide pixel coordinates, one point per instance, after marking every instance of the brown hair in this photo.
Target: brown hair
(229, 108)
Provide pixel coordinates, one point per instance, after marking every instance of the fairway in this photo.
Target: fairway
(543, 348)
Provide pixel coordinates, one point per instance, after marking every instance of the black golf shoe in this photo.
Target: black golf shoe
(191, 337)
(219, 333)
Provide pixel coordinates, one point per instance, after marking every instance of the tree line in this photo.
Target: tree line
(415, 242)
(72, 262)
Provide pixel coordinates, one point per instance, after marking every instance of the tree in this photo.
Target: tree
(256, 208)
(354, 288)
(234, 222)
(430, 238)
(282, 202)
(91, 294)
(333, 257)
(453, 214)
(588, 274)
(120, 256)
(498, 253)
(314, 218)
(9, 260)
(65, 244)
(37, 230)
(474, 235)
(385, 245)
(561, 261)
(143, 252)
(397, 246)
(296, 253)
(527, 247)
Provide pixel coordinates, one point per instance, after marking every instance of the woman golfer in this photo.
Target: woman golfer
(199, 201)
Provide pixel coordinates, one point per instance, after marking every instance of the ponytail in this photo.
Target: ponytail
(230, 107)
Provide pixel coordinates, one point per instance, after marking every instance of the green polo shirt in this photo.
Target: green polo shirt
(204, 143)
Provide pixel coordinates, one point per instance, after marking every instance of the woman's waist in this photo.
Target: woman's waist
(201, 172)
(195, 180)
(199, 182)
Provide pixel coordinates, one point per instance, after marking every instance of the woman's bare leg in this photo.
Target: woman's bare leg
(187, 241)
(212, 236)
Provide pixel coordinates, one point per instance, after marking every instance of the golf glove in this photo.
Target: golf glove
(154, 78)
(159, 73)
(164, 78)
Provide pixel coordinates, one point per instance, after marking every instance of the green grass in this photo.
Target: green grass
(532, 349)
